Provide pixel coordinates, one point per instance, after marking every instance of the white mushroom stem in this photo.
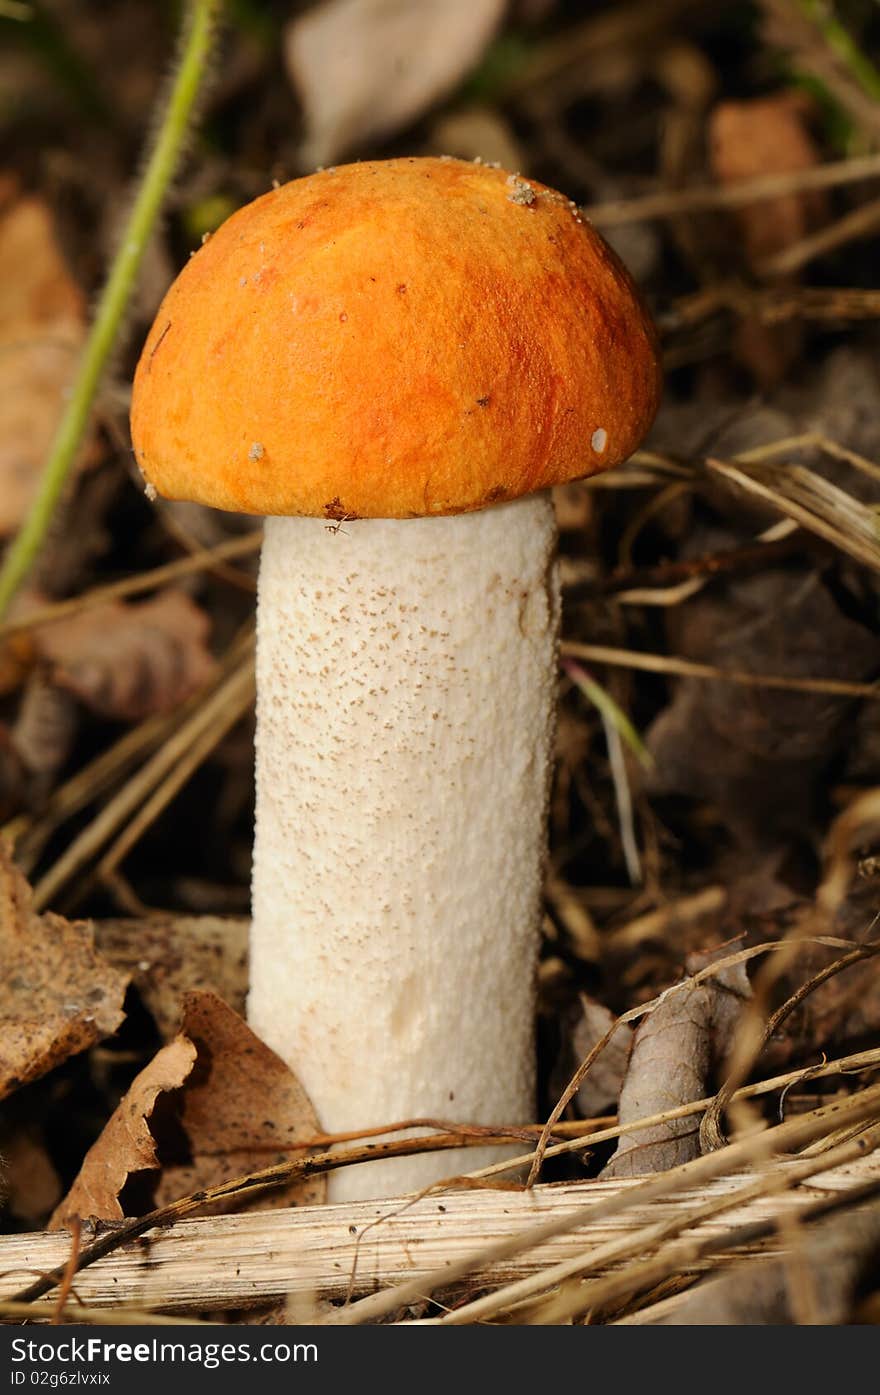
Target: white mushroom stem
(406, 677)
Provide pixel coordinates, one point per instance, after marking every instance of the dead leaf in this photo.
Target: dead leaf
(128, 661)
(168, 956)
(42, 327)
(365, 68)
(675, 1050)
(757, 754)
(602, 1084)
(32, 1186)
(213, 1104)
(57, 994)
(36, 744)
(126, 1145)
(767, 135)
(830, 1261)
(45, 728)
(242, 1109)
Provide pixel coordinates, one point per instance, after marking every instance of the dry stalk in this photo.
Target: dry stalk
(687, 668)
(416, 1242)
(241, 1190)
(575, 919)
(744, 1056)
(204, 560)
(240, 699)
(752, 1032)
(684, 1254)
(130, 797)
(753, 1151)
(242, 581)
(858, 819)
(30, 837)
(859, 222)
(654, 925)
(812, 501)
(671, 203)
(661, 595)
(773, 304)
(632, 1247)
(122, 1316)
(861, 1060)
(742, 956)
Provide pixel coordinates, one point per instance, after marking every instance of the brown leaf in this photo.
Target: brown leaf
(767, 135)
(602, 1084)
(42, 326)
(128, 661)
(57, 994)
(674, 1053)
(31, 1186)
(243, 1109)
(126, 1145)
(213, 1104)
(364, 68)
(757, 754)
(45, 728)
(168, 956)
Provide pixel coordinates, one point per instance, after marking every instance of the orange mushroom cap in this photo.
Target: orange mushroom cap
(394, 339)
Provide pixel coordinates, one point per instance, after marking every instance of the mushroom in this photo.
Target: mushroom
(394, 361)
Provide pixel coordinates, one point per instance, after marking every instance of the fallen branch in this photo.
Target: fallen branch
(217, 1262)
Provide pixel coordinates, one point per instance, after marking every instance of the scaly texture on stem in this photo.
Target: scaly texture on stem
(114, 298)
(406, 688)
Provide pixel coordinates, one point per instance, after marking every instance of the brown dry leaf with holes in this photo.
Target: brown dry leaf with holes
(129, 661)
(126, 1146)
(676, 1050)
(170, 955)
(42, 327)
(365, 68)
(214, 1104)
(58, 996)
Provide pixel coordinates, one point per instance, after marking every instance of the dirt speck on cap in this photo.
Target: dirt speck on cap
(521, 190)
